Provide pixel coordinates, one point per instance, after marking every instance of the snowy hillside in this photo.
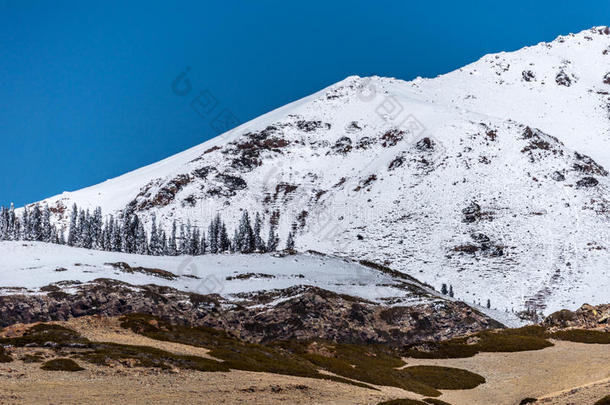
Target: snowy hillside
(259, 297)
(480, 178)
(28, 267)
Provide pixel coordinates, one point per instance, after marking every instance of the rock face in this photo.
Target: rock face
(303, 313)
(586, 317)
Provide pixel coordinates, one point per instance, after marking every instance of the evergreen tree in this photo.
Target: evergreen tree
(35, 228)
(451, 291)
(155, 243)
(117, 237)
(245, 242)
(127, 234)
(141, 241)
(290, 241)
(172, 248)
(72, 232)
(259, 244)
(183, 245)
(202, 244)
(213, 234)
(85, 230)
(272, 239)
(95, 228)
(25, 228)
(163, 244)
(224, 242)
(49, 234)
(444, 289)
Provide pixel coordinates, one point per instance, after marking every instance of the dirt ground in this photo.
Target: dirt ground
(568, 373)
(512, 377)
(26, 383)
(587, 394)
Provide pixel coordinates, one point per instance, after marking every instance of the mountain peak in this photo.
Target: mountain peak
(481, 178)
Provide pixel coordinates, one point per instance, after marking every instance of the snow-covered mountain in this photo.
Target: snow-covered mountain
(490, 178)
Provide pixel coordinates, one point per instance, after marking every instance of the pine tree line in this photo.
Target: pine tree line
(128, 233)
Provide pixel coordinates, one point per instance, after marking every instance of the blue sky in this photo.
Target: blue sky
(85, 87)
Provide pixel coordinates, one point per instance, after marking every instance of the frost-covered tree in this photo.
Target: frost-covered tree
(259, 244)
(213, 234)
(272, 239)
(245, 242)
(73, 231)
(172, 247)
(49, 233)
(290, 241)
(155, 243)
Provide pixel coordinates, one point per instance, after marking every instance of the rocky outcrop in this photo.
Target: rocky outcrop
(301, 312)
(586, 317)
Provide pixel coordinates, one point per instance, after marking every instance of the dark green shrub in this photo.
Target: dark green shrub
(402, 402)
(435, 401)
(445, 378)
(505, 340)
(61, 365)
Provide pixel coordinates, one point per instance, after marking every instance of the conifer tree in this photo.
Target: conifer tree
(224, 241)
(155, 243)
(272, 239)
(72, 232)
(290, 241)
(172, 248)
(48, 230)
(259, 245)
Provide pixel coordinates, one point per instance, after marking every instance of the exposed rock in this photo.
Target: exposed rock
(392, 137)
(472, 212)
(342, 146)
(587, 165)
(587, 182)
(563, 79)
(586, 317)
(528, 75)
(303, 313)
(310, 126)
(558, 176)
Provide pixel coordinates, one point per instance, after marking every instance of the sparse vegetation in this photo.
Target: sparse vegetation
(32, 358)
(582, 336)
(366, 364)
(46, 335)
(61, 365)
(142, 356)
(506, 340)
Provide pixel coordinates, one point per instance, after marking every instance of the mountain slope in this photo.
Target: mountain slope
(259, 297)
(479, 178)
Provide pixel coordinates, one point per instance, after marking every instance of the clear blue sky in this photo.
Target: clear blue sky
(85, 87)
